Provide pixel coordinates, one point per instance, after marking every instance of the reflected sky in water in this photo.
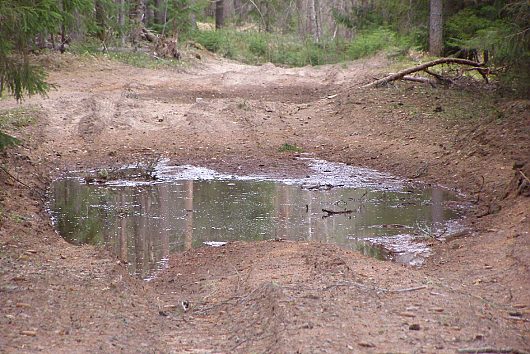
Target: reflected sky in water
(143, 224)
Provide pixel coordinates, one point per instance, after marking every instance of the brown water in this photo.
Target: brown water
(142, 223)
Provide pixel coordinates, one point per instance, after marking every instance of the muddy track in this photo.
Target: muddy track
(270, 296)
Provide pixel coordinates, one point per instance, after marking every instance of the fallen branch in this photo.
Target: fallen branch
(524, 176)
(399, 75)
(408, 289)
(421, 79)
(332, 212)
(491, 350)
(13, 177)
(437, 76)
(374, 288)
(484, 72)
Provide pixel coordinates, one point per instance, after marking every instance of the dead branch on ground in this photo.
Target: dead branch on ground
(14, 178)
(404, 74)
(164, 47)
(421, 79)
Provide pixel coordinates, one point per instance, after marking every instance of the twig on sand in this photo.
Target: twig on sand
(361, 285)
(491, 350)
(524, 176)
(408, 289)
(33, 189)
(13, 177)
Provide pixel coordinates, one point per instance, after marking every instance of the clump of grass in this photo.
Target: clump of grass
(7, 140)
(244, 106)
(14, 119)
(142, 60)
(17, 118)
(290, 148)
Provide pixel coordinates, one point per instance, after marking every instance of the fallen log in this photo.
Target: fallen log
(399, 75)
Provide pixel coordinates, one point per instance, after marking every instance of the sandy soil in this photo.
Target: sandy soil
(273, 296)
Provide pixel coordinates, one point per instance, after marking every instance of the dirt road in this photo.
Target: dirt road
(270, 297)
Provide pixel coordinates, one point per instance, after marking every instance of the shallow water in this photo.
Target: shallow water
(142, 223)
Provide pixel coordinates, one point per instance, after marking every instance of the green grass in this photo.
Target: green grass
(254, 47)
(290, 148)
(140, 59)
(261, 47)
(14, 119)
(17, 118)
(7, 140)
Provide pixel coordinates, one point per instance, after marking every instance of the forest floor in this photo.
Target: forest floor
(270, 296)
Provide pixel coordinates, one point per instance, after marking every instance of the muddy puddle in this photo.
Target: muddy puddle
(142, 223)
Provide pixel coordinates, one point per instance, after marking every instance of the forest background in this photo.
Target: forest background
(284, 32)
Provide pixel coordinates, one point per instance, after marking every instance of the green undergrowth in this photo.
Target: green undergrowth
(7, 140)
(13, 120)
(139, 59)
(17, 118)
(260, 47)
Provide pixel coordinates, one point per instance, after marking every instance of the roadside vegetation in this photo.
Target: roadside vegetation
(286, 49)
(12, 120)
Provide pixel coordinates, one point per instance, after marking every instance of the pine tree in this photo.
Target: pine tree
(21, 21)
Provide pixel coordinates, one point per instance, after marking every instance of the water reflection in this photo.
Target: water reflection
(142, 225)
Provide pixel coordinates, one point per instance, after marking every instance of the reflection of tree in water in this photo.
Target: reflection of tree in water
(188, 206)
(79, 221)
(143, 224)
(283, 210)
(370, 250)
(226, 211)
(163, 197)
(122, 243)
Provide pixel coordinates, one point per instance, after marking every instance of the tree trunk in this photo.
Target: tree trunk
(436, 28)
(314, 19)
(238, 10)
(219, 14)
(137, 17)
(121, 20)
(100, 21)
(160, 11)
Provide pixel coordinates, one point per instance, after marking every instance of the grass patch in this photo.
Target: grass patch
(290, 148)
(142, 60)
(260, 47)
(139, 59)
(7, 140)
(14, 119)
(18, 118)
